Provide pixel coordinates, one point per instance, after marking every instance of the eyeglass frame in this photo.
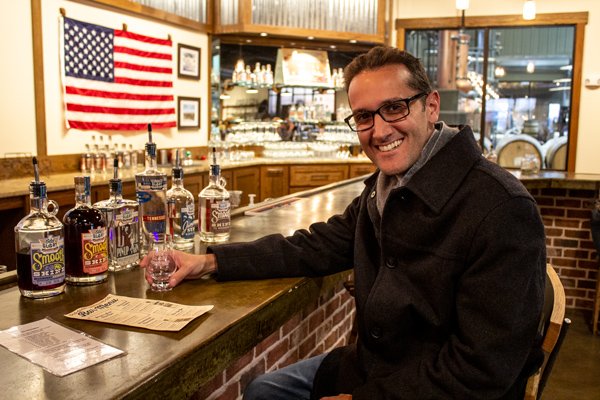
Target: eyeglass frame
(407, 100)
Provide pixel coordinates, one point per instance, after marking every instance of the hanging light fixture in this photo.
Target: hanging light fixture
(528, 10)
(462, 4)
(530, 67)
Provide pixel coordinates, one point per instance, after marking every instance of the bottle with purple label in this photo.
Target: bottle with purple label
(40, 245)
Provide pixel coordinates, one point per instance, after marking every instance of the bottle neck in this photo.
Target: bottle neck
(82, 198)
(37, 203)
(150, 156)
(116, 189)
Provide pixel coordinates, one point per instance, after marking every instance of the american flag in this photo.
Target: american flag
(116, 80)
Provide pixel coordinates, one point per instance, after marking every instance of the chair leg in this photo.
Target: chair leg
(596, 306)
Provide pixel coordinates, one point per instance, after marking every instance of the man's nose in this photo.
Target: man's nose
(380, 126)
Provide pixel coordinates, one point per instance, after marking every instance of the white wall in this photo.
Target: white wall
(588, 144)
(17, 104)
(17, 97)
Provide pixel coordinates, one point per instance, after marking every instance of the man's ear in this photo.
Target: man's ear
(432, 106)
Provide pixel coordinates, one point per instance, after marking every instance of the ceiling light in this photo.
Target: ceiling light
(559, 88)
(566, 68)
(263, 34)
(499, 71)
(311, 38)
(529, 10)
(530, 67)
(333, 46)
(352, 40)
(462, 4)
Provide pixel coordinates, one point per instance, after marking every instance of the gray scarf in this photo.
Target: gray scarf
(385, 183)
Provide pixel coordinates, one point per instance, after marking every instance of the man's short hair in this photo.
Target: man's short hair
(380, 56)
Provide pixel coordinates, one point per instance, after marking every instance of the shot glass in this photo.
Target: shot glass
(161, 265)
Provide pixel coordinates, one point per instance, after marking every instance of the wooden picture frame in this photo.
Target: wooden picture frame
(188, 112)
(188, 62)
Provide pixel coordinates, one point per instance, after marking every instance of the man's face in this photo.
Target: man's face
(393, 146)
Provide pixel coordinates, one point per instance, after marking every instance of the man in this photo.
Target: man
(448, 252)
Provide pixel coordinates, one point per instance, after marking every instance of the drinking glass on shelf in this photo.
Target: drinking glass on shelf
(161, 265)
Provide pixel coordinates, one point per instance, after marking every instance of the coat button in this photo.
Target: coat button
(390, 262)
(373, 193)
(376, 332)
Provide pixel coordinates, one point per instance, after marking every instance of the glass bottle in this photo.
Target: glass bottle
(180, 203)
(122, 219)
(134, 157)
(126, 156)
(40, 245)
(86, 241)
(214, 207)
(151, 192)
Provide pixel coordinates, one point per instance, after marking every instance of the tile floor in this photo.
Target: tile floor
(576, 372)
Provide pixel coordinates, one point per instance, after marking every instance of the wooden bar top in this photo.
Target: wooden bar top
(19, 186)
(165, 364)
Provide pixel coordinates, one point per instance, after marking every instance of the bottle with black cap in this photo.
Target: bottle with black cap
(180, 203)
(40, 245)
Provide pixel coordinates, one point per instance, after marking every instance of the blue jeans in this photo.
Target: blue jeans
(293, 382)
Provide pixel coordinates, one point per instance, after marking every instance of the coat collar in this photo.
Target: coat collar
(437, 181)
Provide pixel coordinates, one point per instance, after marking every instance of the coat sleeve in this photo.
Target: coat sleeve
(325, 248)
(499, 300)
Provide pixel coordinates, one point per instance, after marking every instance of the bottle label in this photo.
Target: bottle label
(187, 221)
(126, 238)
(48, 261)
(95, 251)
(218, 218)
(151, 183)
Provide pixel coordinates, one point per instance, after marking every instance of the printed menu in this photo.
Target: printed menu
(150, 314)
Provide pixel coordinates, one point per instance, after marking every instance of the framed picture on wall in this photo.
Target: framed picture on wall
(188, 61)
(188, 116)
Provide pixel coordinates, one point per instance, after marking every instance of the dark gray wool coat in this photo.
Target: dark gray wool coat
(449, 281)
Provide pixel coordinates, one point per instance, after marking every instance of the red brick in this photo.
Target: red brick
(580, 234)
(238, 365)
(307, 346)
(277, 353)
(566, 223)
(331, 339)
(555, 212)
(291, 359)
(573, 292)
(583, 214)
(323, 330)
(215, 384)
(587, 244)
(566, 243)
(586, 284)
(232, 392)
(556, 232)
(333, 305)
(572, 273)
(554, 192)
(252, 373)
(298, 335)
(581, 254)
(583, 193)
(319, 349)
(266, 343)
(568, 203)
(291, 324)
(338, 317)
(584, 304)
(554, 252)
(316, 319)
(544, 201)
(588, 264)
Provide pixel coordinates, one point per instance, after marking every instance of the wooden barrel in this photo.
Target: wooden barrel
(512, 148)
(556, 153)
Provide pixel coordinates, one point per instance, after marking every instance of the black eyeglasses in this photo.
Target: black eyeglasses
(389, 112)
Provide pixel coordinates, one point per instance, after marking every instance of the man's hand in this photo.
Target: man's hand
(189, 266)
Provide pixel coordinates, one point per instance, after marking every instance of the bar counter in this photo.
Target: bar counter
(166, 364)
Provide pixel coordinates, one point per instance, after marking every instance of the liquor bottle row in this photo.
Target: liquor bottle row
(111, 235)
(97, 156)
(261, 76)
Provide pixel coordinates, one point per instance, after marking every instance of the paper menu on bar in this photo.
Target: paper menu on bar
(150, 314)
(59, 350)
